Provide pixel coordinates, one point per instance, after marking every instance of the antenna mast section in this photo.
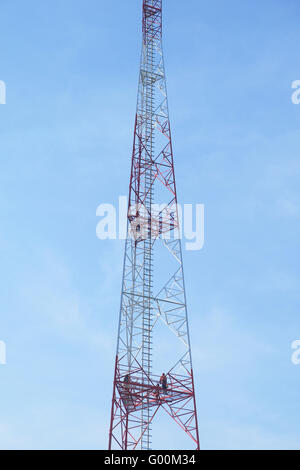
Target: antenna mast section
(153, 334)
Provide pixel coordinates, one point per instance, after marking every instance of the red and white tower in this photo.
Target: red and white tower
(153, 334)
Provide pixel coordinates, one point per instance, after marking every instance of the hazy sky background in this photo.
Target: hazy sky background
(71, 70)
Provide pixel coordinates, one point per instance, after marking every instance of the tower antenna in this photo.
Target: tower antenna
(153, 366)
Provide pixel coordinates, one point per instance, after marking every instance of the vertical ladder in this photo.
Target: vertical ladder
(148, 255)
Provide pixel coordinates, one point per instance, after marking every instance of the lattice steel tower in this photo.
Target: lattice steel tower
(153, 335)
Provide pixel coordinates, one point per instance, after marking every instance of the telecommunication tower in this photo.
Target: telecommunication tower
(153, 334)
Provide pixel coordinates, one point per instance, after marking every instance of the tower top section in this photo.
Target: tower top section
(152, 20)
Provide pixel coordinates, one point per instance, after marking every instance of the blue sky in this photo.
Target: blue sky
(71, 70)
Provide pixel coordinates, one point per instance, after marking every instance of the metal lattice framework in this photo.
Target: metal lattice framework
(147, 299)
